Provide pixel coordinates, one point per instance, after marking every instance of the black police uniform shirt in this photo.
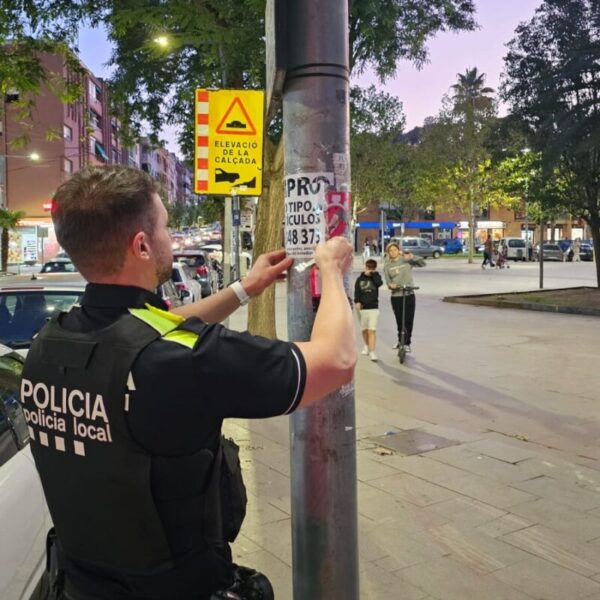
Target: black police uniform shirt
(181, 399)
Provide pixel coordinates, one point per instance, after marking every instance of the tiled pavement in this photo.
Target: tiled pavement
(509, 510)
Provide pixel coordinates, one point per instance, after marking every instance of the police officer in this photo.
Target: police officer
(126, 401)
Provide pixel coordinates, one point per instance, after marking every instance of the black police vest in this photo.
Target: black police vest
(97, 480)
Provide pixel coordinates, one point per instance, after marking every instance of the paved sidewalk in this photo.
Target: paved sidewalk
(478, 460)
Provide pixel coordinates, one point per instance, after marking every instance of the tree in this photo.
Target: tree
(552, 84)
(9, 219)
(376, 121)
(473, 110)
(452, 167)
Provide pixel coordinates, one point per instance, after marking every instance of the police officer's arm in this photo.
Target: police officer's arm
(330, 355)
(266, 269)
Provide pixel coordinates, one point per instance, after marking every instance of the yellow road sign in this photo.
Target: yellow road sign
(229, 134)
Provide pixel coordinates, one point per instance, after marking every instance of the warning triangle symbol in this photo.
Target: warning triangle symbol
(236, 120)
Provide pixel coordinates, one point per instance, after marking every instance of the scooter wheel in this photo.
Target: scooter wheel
(402, 355)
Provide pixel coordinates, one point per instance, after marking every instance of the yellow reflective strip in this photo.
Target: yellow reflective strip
(156, 321)
(185, 338)
(166, 314)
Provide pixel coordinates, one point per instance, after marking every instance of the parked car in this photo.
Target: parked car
(215, 252)
(25, 308)
(188, 288)
(418, 246)
(200, 263)
(169, 294)
(516, 248)
(454, 246)
(586, 251)
(551, 252)
(25, 515)
(59, 265)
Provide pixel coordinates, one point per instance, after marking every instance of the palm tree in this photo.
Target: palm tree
(470, 95)
(9, 220)
(472, 103)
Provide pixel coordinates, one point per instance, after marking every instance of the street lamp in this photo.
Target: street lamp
(162, 41)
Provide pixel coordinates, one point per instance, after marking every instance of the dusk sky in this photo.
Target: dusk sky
(420, 91)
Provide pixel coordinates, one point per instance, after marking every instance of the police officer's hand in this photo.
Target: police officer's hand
(266, 269)
(336, 253)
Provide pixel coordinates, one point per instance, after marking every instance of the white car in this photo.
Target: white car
(188, 288)
(25, 516)
(215, 252)
(26, 305)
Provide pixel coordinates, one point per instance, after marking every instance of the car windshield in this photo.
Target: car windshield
(24, 313)
(59, 267)
(516, 243)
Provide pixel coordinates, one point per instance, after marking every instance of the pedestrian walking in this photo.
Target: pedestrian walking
(366, 300)
(488, 250)
(577, 250)
(367, 249)
(144, 492)
(397, 271)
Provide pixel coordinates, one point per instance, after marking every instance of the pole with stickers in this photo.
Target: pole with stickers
(317, 207)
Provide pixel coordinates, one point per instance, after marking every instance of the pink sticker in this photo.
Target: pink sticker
(337, 213)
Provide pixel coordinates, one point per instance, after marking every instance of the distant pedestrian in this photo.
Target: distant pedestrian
(576, 250)
(375, 247)
(565, 246)
(367, 249)
(398, 273)
(488, 249)
(366, 300)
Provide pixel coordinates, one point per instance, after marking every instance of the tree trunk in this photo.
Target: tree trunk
(471, 232)
(594, 223)
(261, 313)
(4, 244)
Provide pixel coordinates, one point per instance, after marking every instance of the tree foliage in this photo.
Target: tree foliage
(384, 32)
(552, 83)
(377, 121)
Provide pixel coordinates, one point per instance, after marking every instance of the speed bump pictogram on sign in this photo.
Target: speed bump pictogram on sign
(229, 133)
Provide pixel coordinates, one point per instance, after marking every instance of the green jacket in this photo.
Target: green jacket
(399, 271)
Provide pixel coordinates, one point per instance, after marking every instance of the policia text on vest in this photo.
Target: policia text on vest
(54, 408)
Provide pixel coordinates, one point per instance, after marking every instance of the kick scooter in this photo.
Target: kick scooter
(403, 333)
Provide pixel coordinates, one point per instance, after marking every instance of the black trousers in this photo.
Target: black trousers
(487, 258)
(409, 318)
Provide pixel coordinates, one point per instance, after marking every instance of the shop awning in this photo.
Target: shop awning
(100, 151)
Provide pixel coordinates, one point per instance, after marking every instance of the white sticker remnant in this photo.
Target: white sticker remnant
(340, 166)
(304, 212)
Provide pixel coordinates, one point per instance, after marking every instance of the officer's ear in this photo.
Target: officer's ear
(141, 246)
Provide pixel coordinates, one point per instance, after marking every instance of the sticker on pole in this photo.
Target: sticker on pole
(305, 204)
(337, 214)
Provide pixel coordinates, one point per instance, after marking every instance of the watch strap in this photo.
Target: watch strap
(240, 292)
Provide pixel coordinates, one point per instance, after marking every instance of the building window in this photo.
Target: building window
(92, 143)
(115, 156)
(67, 165)
(67, 133)
(95, 92)
(95, 119)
